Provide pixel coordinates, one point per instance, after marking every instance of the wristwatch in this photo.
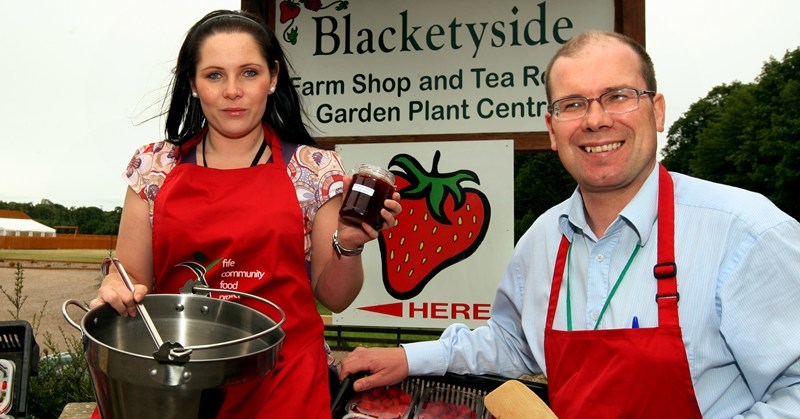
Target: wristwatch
(343, 251)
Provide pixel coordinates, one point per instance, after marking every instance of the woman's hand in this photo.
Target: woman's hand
(114, 292)
(352, 236)
(337, 275)
(135, 248)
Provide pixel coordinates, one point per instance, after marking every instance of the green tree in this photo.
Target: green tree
(725, 133)
(682, 135)
(89, 220)
(540, 181)
(746, 135)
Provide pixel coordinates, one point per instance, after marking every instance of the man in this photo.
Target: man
(632, 305)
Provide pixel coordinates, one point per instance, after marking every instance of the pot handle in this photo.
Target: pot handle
(66, 316)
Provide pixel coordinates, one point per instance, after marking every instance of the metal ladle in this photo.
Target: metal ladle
(141, 309)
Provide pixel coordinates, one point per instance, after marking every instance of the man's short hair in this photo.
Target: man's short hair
(578, 43)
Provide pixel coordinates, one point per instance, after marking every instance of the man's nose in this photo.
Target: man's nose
(596, 117)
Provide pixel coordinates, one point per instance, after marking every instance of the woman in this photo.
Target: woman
(239, 188)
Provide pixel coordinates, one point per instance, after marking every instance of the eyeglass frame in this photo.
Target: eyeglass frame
(552, 107)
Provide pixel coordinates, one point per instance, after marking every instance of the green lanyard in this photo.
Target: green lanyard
(611, 295)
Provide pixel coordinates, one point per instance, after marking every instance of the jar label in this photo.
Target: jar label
(366, 190)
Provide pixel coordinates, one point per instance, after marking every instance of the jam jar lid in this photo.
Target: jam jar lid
(375, 171)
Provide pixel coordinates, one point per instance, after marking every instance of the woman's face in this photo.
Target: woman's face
(232, 82)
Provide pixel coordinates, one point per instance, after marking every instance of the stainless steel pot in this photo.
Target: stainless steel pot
(209, 344)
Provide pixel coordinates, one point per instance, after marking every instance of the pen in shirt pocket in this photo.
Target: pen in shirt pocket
(635, 324)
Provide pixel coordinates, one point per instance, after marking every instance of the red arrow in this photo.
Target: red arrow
(392, 309)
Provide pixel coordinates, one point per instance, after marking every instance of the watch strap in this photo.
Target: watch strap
(343, 251)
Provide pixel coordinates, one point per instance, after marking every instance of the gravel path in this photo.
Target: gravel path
(47, 285)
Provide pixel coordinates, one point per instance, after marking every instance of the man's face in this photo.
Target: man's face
(605, 152)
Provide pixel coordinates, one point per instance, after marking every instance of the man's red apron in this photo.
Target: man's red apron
(624, 373)
(248, 223)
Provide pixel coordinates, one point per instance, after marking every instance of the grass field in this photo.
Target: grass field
(59, 255)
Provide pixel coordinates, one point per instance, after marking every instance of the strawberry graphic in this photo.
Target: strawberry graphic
(442, 223)
(313, 5)
(289, 10)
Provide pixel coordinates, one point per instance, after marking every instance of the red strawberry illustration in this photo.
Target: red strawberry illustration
(313, 5)
(442, 223)
(289, 10)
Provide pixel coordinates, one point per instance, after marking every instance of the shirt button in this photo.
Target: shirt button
(599, 258)
(595, 316)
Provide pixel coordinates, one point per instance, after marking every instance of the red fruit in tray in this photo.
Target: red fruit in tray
(391, 402)
(442, 224)
(439, 409)
(395, 410)
(463, 411)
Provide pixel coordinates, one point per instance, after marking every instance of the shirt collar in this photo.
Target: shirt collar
(640, 214)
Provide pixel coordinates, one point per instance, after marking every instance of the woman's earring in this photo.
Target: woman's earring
(272, 89)
(194, 94)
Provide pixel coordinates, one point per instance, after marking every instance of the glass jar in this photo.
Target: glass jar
(363, 202)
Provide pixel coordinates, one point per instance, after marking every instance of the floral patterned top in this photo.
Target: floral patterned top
(317, 176)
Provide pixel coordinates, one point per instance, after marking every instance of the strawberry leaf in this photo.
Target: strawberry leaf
(433, 186)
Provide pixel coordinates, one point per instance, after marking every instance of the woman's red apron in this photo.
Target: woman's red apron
(624, 373)
(245, 226)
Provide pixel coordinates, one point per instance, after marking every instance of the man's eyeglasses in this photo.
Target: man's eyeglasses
(613, 102)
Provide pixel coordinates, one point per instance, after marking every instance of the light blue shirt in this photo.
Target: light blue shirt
(738, 259)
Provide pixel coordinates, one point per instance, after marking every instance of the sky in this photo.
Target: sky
(52, 148)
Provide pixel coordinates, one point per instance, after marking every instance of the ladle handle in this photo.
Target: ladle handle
(141, 309)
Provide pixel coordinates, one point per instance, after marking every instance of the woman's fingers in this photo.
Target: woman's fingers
(116, 294)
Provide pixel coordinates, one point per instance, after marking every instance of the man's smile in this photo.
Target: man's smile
(602, 148)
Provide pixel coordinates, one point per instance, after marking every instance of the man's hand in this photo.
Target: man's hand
(385, 366)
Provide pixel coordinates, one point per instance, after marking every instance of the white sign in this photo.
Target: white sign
(429, 67)
(443, 260)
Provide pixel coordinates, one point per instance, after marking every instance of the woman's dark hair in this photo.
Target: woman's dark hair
(284, 111)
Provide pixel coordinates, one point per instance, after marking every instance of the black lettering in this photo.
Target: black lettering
(499, 38)
(429, 39)
(365, 45)
(557, 27)
(409, 37)
(321, 33)
(382, 43)
(540, 21)
(453, 34)
(476, 38)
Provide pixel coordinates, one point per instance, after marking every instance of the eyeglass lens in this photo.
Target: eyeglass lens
(614, 102)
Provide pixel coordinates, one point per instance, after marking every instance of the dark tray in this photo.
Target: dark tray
(485, 383)
(18, 345)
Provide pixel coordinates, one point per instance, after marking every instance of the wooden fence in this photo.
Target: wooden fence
(81, 241)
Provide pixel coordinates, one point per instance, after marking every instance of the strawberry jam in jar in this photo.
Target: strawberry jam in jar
(364, 200)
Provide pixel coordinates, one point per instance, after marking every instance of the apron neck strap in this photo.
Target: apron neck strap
(666, 270)
(558, 274)
(274, 143)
